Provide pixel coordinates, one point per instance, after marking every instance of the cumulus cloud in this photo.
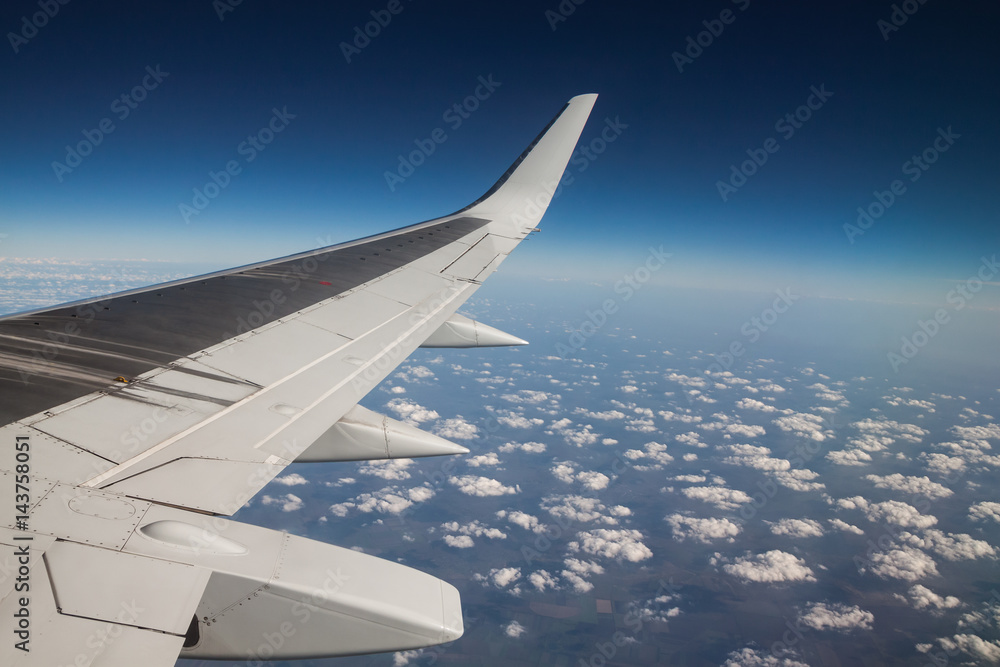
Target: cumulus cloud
(846, 527)
(542, 580)
(459, 541)
(950, 546)
(622, 544)
(502, 578)
(798, 480)
(914, 486)
(973, 645)
(529, 447)
(411, 412)
(608, 415)
(891, 511)
(653, 452)
(985, 511)
(293, 479)
(684, 418)
(390, 500)
(752, 456)
(749, 657)
(924, 598)
(753, 404)
(582, 509)
(577, 573)
(456, 428)
(473, 529)
(481, 486)
(390, 469)
(514, 630)
(514, 420)
(702, 530)
(796, 528)
(906, 563)
(804, 425)
(849, 457)
(719, 496)
(769, 567)
(489, 459)
(288, 502)
(891, 429)
(522, 519)
(838, 617)
(529, 397)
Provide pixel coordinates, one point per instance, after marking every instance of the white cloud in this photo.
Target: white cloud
(529, 397)
(529, 447)
(501, 578)
(514, 630)
(914, 486)
(769, 567)
(580, 509)
(655, 452)
(622, 545)
(924, 598)
(608, 415)
(390, 469)
(702, 530)
(752, 456)
(753, 404)
(973, 645)
(796, 528)
(293, 479)
(839, 617)
(846, 527)
(481, 486)
(526, 521)
(289, 502)
(849, 457)
(720, 496)
(804, 425)
(749, 657)
(577, 572)
(798, 480)
(951, 547)
(389, 500)
(683, 418)
(542, 580)
(891, 511)
(456, 428)
(514, 420)
(891, 429)
(411, 412)
(459, 541)
(985, 511)
(489, 459)
(474, 529)
(593, 481)
(907, 563)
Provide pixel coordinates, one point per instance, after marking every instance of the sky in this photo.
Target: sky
(699, 153)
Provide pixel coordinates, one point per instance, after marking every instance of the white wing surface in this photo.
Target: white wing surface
(133, 423)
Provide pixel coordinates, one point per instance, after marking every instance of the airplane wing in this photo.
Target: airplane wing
(134, 423)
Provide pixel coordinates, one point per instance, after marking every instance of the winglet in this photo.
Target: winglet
(535, 175)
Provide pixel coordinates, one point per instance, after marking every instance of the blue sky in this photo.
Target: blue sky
(322, 177)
